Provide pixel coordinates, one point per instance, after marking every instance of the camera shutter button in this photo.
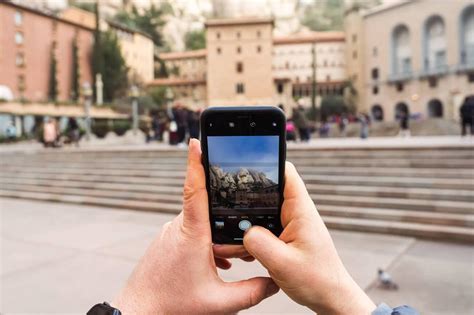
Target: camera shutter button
(244, 225)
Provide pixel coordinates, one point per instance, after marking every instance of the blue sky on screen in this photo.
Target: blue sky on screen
(256, 152)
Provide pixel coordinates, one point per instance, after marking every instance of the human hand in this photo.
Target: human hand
(303, 260)
(177, 274)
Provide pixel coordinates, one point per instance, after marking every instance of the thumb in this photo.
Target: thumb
(195, 206)
(246, 293)
(269, 250)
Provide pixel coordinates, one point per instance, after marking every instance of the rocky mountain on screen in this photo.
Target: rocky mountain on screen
(243, 179)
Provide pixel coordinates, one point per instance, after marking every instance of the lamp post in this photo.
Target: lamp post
(87, 93)
(134, 93)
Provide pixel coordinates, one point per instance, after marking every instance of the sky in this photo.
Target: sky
(256, 152)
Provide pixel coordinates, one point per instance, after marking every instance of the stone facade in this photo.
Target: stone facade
(415, 56)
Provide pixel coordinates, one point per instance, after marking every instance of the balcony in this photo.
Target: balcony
(400, 77)
(467, 61)
(434, 71)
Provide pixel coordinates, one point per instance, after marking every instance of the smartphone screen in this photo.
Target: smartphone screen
(244, 160)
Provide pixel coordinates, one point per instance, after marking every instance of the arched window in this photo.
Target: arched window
(435, 108)
(434, 43)
(401, 110)
(467, 36)
(401, 51)
(377, 112)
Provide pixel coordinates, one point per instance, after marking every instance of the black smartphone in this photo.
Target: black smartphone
(243, 152)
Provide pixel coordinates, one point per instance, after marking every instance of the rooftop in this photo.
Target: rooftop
(200, 53)
(310, 37)
(176, 81)
(238, 21)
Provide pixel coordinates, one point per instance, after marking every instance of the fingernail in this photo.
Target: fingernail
(272, 289)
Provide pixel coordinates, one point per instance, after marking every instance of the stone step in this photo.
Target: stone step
(333, 189)
(148, 191)
(430, 231)
(180, 173)
(419, 230)
(414, 182)
(440, 206)
(425, 217)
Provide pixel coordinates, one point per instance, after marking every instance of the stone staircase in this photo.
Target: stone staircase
(420, 192)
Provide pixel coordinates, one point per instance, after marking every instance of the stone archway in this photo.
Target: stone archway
(435, 108)
(377, 112)
(401, 110)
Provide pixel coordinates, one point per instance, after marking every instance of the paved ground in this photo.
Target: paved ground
(58, 258)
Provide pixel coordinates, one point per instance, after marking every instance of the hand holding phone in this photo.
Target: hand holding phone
(244, 153)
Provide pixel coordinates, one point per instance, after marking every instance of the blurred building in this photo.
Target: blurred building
(412, 56)
(136, 46)
(293, 65)
(187, 77)
(28, 40)
(245, 65)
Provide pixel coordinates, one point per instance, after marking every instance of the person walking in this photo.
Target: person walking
(301, 123)
(404, 124)
(364, 126)
(73, 131)
(50, 133)
(467, 115)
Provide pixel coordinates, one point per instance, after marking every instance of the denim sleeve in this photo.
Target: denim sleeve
(384, 309)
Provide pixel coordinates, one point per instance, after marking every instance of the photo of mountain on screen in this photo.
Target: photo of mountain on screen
(243, 174)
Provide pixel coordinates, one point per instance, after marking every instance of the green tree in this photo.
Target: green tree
(194, 40)
(324, 15)
(332, 105)
(114, 69)
(158, 94)
(75, 85)
(53, 75)
(150, 21)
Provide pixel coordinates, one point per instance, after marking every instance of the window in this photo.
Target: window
(328, 78)
(467, 36)
(354, 38)
(375, 52)
(239, 50)
(19, 38)
(21, 82)
(218, 35)
(240, 88)
(259, 34)
(219, 50)
(434, 43)
(375, 73)
(470, 77)
(433, 82)
(238, 34)
(18, 18)
(325, 63)
(401, 51)
(239, 67)
(354, 54)
(20, 59)
(309, 79)
(259, 48)
(280, 88)
(375, 90)
(399, 87)
(287, 65)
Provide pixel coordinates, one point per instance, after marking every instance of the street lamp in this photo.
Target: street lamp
(134, 93)
(87, 93)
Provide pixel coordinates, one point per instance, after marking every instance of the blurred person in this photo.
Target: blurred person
(324, 129)
(342, 125)
(11, 131)
(404, 123)
(193, 123)
(466, 112)
(73, 132)
(172, 126)
(156, 127)
(178, 273)
(50, 133)
(364, 126)
(301, 123)
(290, 130)
(180, 114)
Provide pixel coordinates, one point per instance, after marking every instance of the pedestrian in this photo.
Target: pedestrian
(178, 273)
(342, 125)
(156, 126)
(364, 126)
(180, 115)
(290, 130)
(193, 123)
(11, 132)
(50, 133)
(467, 115)
(73, 131)
(324, 129)
(404, 123)
(301, 123)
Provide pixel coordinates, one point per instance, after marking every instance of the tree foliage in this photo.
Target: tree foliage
(150, 21)
(332, 105)
(158, 94)
(194, 40)
(53, 76)
(324, 15)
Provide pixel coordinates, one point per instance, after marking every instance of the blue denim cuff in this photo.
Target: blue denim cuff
(384, 309)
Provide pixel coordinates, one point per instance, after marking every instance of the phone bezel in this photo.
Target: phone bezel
(264, 117)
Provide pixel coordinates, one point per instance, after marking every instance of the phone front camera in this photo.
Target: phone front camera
(210, 124)
(231, 125)
(274, 124)
(253, 124)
